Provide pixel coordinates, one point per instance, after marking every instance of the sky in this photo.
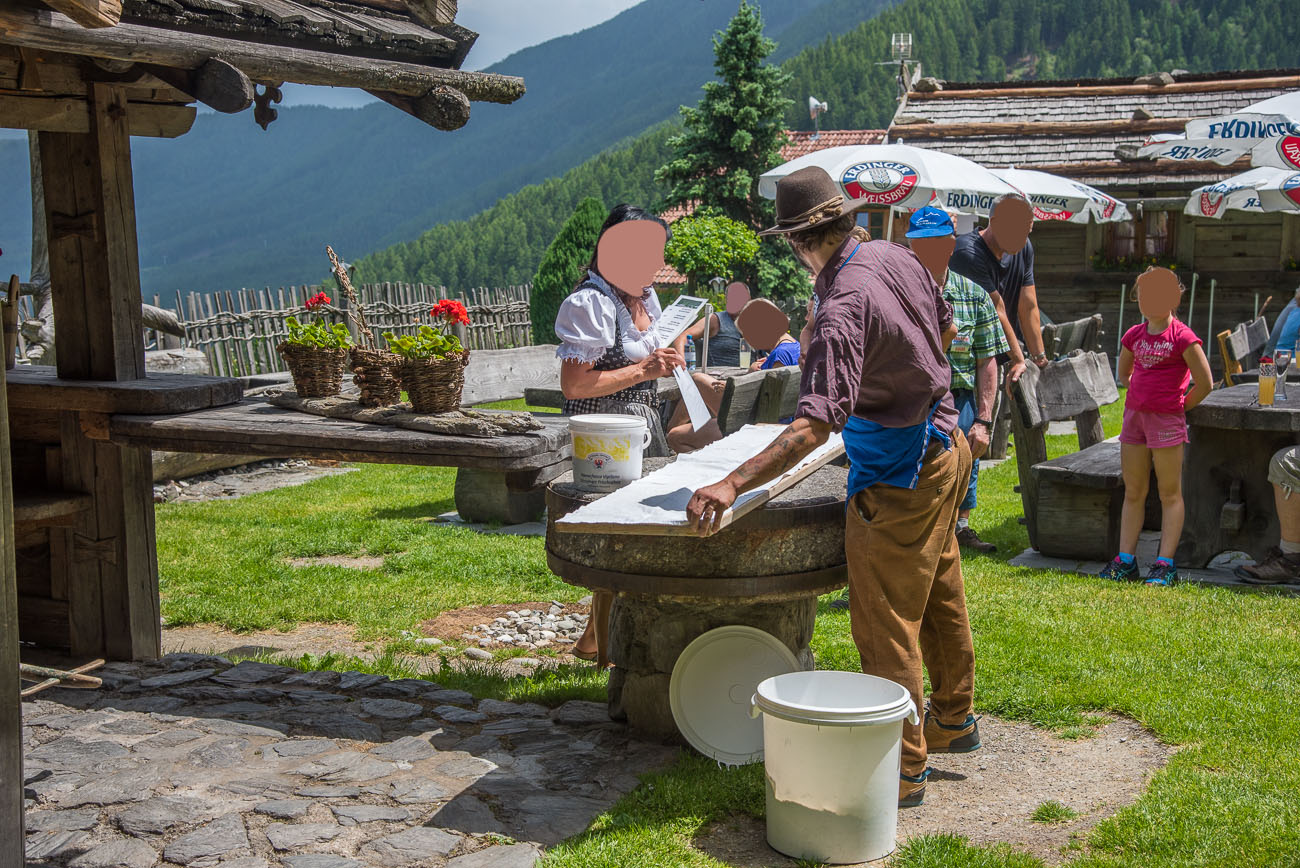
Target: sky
(504, 27)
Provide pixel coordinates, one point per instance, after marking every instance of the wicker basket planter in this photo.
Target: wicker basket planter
(317, 372)
(375, 373)
(434, 385)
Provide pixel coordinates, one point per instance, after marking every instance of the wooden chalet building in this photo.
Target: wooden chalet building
(76, 504)
(1089, 130)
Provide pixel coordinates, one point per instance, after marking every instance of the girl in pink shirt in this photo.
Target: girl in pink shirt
(1159, 359)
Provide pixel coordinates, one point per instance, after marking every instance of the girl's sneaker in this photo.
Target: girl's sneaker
(1118, 571)
(1162, 574)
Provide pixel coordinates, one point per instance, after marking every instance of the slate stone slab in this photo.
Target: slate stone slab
(284, 836)
(182, 660)
(53, 845)
(499, 856)
(499, 708)
(262, 729)
(130, 785)
(284, 809)
(157, 815)
(319, 860)
(237, 709)
(130, 726)
(313, 679)
(410, 749)
(252, 672)
(224, 836)
(223, 754)
(359, 680)
(416, 792)
(346, 768)
(351, 815)
(63, 721)
(62, 821)
(333, 724)
(222, 693)
(165, 740)
(452, 714)
(122, 853)
(550, 818)
(410, 846)
(148, 704)
(302, 747)
(394, 709)
(175, 679)
(450, 697)
(68, 752)
(577, 712)
(245, 862)
(466, 766)
(468, 814)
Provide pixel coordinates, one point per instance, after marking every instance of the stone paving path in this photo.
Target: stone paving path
(195, 762)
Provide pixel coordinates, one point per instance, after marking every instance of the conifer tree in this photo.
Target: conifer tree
(733, 135)
(563, 265)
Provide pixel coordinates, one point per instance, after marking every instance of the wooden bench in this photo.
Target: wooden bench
(759, 396)
(1240, 348)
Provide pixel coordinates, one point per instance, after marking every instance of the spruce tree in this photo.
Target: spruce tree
(563, 265)
(733, 135)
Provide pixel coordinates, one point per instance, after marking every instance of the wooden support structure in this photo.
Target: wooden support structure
(11, 722)
(89, 13)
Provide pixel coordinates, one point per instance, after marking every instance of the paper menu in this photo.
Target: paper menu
(677, 317)
(691, 397)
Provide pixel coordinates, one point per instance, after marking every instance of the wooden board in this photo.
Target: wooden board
(70, 115)
(254, 427)
(503, 375)
(11, 724)
(655, 505)
(38, 387)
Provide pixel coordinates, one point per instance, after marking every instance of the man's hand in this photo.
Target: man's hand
(660, 363)
(1014, 372)
(978, 438)
(707, 506)
(1042, 361)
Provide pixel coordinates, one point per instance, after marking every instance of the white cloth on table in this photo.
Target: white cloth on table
(591, 318)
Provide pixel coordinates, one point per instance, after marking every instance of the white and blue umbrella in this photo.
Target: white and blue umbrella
(1057, 199)
(1269, 131)
(1261, 190)
(900, 176)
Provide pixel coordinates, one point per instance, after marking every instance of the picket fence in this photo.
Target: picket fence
(238, 330)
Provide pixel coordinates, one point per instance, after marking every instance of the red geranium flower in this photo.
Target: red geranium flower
(451, 311)
(317, 300)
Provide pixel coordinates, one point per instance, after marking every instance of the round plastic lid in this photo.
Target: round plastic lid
(831, 698)
(712, 684)
(607, 420)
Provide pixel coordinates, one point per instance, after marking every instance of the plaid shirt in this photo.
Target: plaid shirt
(979, 333)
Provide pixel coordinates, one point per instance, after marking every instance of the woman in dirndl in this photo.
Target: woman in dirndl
(611, 353)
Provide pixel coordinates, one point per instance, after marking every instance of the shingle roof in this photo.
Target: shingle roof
(805, 142)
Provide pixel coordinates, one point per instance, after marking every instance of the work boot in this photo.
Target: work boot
(967, 538)
(841, 603)
(1277, 568)
(941, 738)
(911, 790)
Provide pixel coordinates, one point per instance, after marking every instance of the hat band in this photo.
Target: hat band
(828, 210)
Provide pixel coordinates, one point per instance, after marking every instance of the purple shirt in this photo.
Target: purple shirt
(877, 349)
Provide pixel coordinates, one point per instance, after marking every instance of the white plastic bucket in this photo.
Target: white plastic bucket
(832, 742)
(607, 450)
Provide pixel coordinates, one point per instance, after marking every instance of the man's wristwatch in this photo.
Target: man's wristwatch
(985, 422)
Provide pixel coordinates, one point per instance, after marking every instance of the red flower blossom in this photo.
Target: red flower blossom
(451, 311)
(318, 300)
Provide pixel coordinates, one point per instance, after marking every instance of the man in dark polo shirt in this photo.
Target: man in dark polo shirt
(876, 370)
(1000, 258)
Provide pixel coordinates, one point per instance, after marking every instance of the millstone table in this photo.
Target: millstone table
(764, 571)
(1228, 498)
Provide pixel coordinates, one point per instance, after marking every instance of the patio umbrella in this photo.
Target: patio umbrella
(1060, 199)
(900, 176)
(1260, 190)
(1269, 131)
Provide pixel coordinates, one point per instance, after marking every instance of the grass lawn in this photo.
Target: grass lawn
(1214, 671)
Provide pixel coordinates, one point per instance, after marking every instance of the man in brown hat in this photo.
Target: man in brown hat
(876, 370)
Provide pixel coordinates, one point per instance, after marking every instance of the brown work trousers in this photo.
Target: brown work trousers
(906, 588)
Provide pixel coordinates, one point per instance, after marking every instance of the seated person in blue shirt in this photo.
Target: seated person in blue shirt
(1285, 328)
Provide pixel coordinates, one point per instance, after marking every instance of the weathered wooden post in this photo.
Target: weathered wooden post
(11, 718)
(108, 557)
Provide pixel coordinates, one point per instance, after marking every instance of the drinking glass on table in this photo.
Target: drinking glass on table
(746, 355)
(1283, 360)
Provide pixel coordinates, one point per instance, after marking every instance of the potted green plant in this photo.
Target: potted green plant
(432, 370)
(315, 351)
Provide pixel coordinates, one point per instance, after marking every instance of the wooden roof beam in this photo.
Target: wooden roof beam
(71, 115)
(1038, 128)
(89, 13)
(32, 26)
(1276, 81)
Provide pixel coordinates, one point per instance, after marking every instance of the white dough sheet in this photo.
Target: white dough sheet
(657, 501)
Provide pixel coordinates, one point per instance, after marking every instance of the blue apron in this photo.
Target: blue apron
(892, 456)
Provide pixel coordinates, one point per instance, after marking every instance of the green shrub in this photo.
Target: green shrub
(563, 265)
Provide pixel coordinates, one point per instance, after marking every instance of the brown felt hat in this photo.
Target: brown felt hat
(808, 197)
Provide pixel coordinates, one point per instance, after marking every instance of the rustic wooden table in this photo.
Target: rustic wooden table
(551, 396)
(1228, 498)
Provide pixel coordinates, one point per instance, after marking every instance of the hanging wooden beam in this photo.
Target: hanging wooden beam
(1027, 128)
(89, 13)
(444, 108)
(34, 27)
(69, 115)
(216, 84)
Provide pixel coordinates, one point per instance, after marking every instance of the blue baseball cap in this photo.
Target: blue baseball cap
(930, 222)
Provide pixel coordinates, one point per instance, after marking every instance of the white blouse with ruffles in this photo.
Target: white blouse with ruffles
(586, 322)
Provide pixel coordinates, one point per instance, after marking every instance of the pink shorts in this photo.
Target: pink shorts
(1153, 430)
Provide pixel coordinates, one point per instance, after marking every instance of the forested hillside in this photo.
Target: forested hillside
(958, 40)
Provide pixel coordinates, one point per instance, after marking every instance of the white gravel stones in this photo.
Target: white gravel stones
(478, 654)
(527, 628)
(122, 853)
(284, 836)
(411, 846)
(206, 845)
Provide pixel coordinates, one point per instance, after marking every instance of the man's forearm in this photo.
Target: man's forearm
(1017, 356)
(789, 448)
(986, 386)
(1030, 321)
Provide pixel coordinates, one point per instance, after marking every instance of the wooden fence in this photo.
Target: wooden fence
(238, 330)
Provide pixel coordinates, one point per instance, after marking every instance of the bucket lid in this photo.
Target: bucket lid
(830, 698)
(607, 420)
(712, 684)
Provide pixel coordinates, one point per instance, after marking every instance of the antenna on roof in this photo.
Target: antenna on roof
(816, 108)
(900, 52)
